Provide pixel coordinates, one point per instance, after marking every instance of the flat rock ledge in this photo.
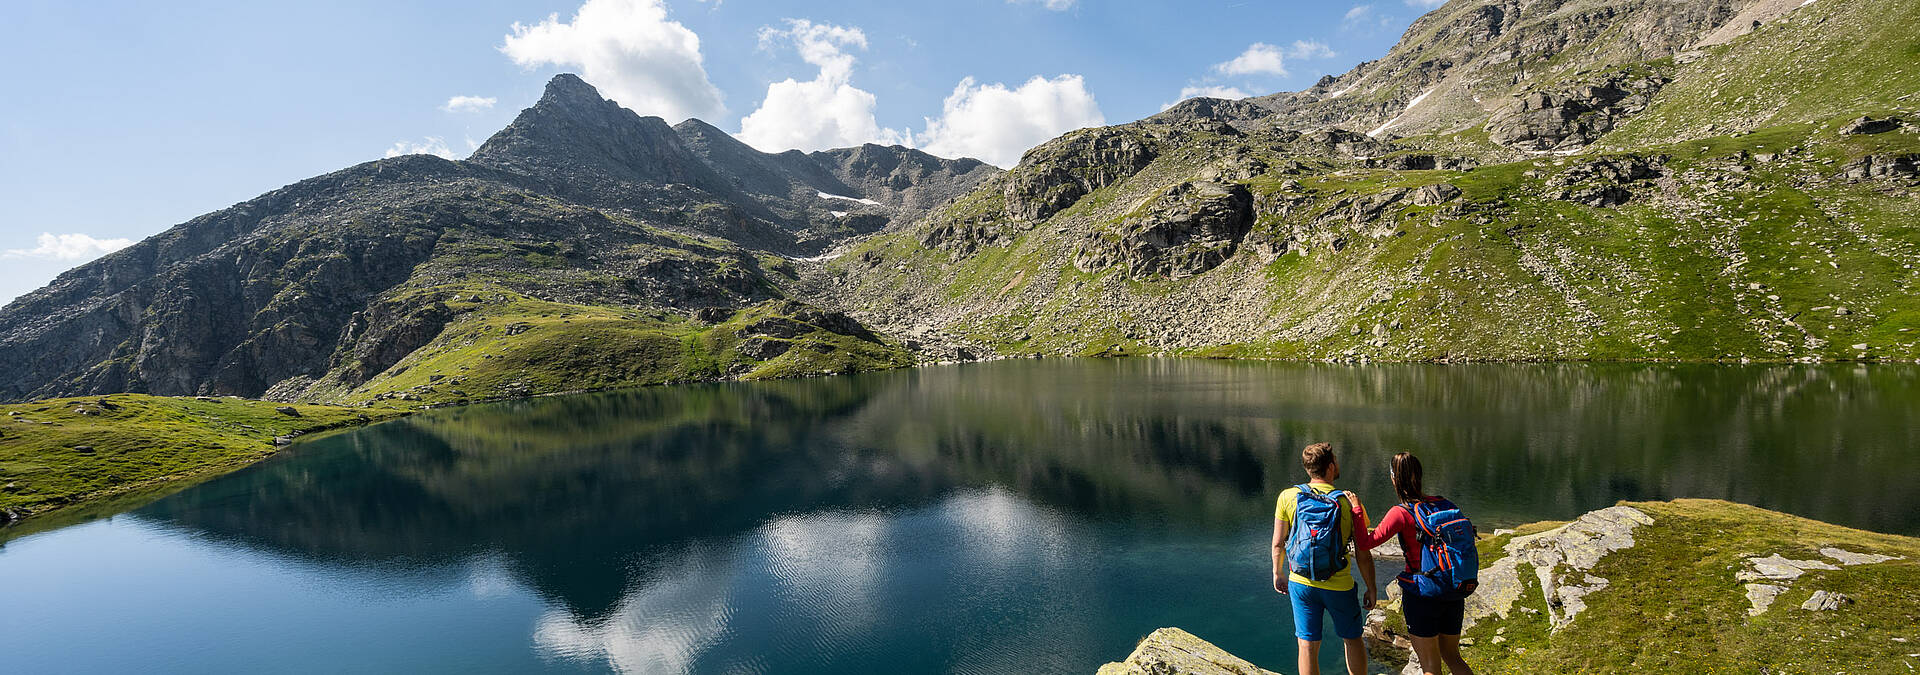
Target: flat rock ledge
(1561, 558)
(1171, 651)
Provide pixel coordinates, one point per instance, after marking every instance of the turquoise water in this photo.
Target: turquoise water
(1026, 516)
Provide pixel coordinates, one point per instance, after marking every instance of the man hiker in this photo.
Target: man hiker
(1313, 526)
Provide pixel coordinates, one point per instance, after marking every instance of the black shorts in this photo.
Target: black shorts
(1427, 617)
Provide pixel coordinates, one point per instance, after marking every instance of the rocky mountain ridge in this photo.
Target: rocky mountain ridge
(337, 278)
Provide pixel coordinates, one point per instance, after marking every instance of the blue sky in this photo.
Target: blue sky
(121, 119)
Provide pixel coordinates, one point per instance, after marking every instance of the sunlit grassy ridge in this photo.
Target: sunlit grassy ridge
(59, 452)
(504, 345)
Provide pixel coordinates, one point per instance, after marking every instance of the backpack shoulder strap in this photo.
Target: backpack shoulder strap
(1307, 491)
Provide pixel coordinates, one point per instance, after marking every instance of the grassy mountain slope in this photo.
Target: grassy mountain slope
(1776, 242)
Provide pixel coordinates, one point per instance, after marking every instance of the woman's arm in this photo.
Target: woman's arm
(1390, 526)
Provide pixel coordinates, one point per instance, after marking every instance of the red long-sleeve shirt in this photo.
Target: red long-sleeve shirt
(1399, 522)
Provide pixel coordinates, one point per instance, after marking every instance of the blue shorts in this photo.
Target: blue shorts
(1309, 602)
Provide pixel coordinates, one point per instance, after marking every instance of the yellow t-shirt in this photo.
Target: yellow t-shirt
(1341, 580)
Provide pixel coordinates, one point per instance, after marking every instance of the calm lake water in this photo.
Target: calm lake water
(1024, 516)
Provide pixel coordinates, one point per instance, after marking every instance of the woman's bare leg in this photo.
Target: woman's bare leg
(1450, 652)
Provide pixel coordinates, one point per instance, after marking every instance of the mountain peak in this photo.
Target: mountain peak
(568, 90)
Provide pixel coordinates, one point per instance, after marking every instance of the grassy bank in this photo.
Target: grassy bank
(69, 455)
(1673, 601)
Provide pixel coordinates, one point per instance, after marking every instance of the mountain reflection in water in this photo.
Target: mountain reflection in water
(1033, 516)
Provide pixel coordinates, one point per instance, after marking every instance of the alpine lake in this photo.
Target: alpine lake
(1034, 516)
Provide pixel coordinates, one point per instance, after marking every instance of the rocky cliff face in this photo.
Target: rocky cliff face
(340, 277)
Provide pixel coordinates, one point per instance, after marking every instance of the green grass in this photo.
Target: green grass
(1674, 606)
(520, 346)
(140, 445)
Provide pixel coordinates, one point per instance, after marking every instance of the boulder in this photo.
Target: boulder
(1882, 166)
(1188, 230)
(1868, 125)
(1825, 601)
(1437, 193)
(287, 410)
(1171, 651)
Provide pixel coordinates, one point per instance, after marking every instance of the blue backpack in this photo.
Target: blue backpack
(1314, 548)
(1450, 563)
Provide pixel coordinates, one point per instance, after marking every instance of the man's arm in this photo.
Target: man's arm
(1280, 529)
(1363, 557)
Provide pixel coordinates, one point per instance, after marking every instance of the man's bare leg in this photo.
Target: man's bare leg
(1309, 657)
(1356, 656)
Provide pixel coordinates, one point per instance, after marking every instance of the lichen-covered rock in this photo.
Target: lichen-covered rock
(1171, 651)
(1191, 229)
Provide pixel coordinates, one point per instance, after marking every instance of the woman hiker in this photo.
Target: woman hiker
(1434, 623)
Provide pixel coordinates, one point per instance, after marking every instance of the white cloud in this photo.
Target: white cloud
(824, 112)
(1310, 49)
(433, 145)
(995, 124)
(1055, 5)
(462, 104)
(630, 51)
(1260, 58)
(1362, 18)
(1210, 91)
(69, 247)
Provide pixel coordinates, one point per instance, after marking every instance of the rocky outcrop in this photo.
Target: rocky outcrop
(1561, 558)
(1171, 651)
(1190, 229)
(1422, 162)
(1869, 125)
(1437, 193)
(1572, 117)
(1606, 182)
(1766, 578)
(1340, 142)
(1059, 172)
(1216, 109)
(1882, 166)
